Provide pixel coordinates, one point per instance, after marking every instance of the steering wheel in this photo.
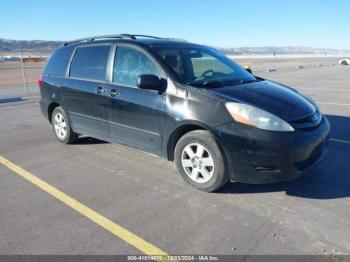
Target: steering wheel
(207, 72)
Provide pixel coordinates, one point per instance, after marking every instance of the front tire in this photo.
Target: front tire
(200, 161)
(61, 126)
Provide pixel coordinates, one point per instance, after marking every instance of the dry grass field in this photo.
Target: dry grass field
(11, 73)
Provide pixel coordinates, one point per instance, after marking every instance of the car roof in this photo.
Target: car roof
(132, 39)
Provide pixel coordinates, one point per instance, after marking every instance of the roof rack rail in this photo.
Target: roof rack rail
(148, 36)
(120, 36)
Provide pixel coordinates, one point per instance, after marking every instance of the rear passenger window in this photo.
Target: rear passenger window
(58, 62)
(90, 62)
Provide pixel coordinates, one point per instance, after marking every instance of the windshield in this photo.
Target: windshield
(203, 67)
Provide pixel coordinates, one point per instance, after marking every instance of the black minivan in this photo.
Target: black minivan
(185, 102)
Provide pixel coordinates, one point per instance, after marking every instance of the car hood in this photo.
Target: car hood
(277, 99)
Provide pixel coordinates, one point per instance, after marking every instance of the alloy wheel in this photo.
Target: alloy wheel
(60, 126)
(197, 163)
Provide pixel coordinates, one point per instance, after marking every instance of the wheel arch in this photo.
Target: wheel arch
(178, 132)
(50, 109)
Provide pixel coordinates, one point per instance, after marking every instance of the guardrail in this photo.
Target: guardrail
(291, 56)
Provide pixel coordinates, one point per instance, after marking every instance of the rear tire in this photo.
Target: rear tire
(61, 126)
(200, 161)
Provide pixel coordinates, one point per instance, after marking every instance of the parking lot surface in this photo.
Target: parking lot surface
(146, 195)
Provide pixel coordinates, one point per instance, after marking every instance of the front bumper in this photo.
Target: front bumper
(256, 156)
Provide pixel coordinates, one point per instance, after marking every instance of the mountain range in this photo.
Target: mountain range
(42, 47)
(8, 46)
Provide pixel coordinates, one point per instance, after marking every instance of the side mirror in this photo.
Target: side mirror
(150, 82)
(248, 69)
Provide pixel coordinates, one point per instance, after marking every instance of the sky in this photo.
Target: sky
(220, 23)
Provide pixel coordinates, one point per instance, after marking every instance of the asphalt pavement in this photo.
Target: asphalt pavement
(145, 194)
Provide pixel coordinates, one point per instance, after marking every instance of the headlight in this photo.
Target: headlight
(253, 116)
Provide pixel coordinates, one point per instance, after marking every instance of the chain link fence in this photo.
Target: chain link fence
(19, 79)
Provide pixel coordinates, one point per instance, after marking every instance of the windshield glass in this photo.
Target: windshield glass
(204, 67)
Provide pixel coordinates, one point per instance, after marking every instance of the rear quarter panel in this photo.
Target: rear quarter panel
(50, 93)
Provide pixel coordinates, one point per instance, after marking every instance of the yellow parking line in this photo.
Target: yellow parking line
(119, 231)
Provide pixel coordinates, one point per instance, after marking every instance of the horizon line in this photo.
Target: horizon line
(216, 46)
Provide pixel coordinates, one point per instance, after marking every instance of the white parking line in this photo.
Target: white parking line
(325, 89)
(335, 104)
(340, 140)
(331, 81)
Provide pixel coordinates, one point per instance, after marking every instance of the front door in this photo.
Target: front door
(135, 115)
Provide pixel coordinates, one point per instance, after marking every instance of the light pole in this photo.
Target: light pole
(23, 73)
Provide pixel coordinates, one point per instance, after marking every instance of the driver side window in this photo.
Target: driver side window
(129, 63)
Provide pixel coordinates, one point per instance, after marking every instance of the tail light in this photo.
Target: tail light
(40, 81)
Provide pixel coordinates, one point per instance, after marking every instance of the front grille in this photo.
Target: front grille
(308, 122)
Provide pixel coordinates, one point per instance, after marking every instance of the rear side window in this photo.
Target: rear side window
(90, 62)
(58, 62)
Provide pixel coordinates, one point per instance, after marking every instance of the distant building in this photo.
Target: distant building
(25, 58)
(33, 59)
(8, 58)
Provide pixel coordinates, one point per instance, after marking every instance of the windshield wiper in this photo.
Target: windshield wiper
(247, 81)
(213, 83)
(223, 82)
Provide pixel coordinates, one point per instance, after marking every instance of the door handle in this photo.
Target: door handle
(113, 92)
(100, 90)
